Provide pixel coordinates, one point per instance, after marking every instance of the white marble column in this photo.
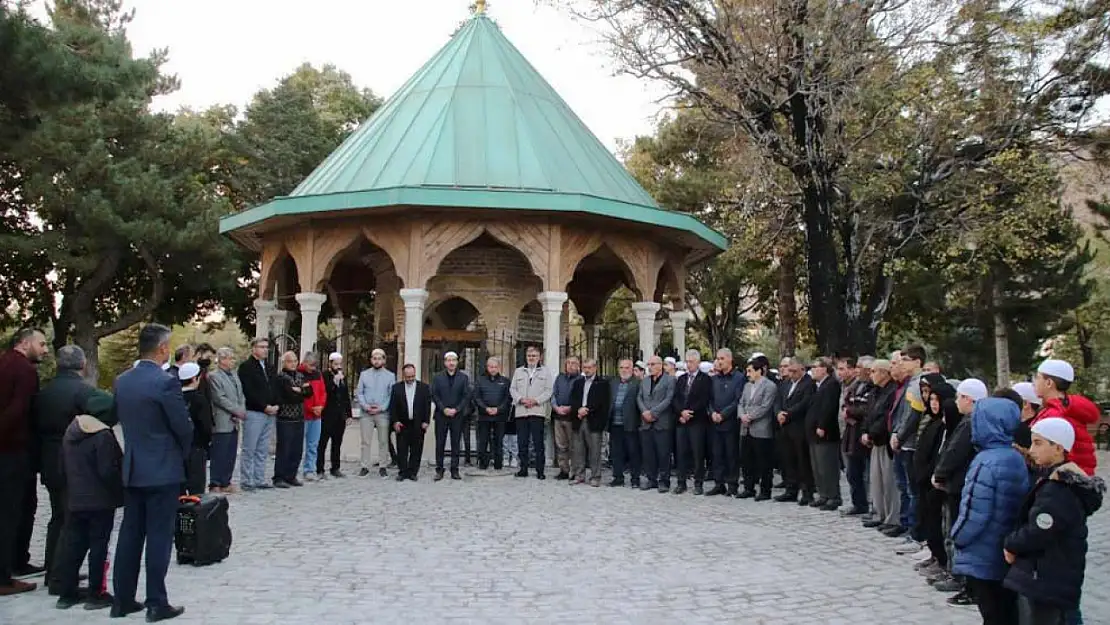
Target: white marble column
(264, 317)
(552, 303)
(340, 325)
(414, 327)
(310, 304)
(678, 331)
(645, 320)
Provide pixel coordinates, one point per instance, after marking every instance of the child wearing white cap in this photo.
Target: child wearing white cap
(1053, 379)
(1047, 553)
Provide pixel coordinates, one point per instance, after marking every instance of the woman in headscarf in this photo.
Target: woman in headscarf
(940, 416)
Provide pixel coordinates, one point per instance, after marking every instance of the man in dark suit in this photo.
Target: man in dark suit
(691, 405)
(589, 405)
(796, 393)
(726, 390)
(157, 437)
(656, 422)
(451, 395)
(823, 432)
(410, 411)
(624, 424)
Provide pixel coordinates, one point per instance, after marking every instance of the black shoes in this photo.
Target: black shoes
(745, 494)
(665, 488)
(439, 474)
(831, 505)
(786, 497)
(698, 490)
(28, 570)
(65, 603)
(521, 473)
(455, 474)
(337, 473)
(282, 484)
(382, 472)
(540, 475)
(634, 483)
(716, 490)
(99, 602)
(820, 501)
(763, 496)
(680, 488)
(805, 500)
(292, 482)
(400, 477)
(363, 472)
(894, 532)
(872, 524)
(164, 613)
(121, 610)
(854, 512)
(617, 482)
(563, 475)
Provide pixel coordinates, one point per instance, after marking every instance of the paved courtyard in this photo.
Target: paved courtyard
(498, 549)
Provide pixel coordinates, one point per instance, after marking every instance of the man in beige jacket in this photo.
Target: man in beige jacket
(531, 394)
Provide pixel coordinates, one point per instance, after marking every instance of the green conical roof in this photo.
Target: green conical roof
(476, 126)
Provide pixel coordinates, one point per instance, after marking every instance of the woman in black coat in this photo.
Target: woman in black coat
(939, 410)
(290, 388)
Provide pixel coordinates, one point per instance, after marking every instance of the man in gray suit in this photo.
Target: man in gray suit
(656, 425)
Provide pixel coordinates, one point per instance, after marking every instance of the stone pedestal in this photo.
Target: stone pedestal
(414, 300)
(645, 321)
(552, 303)
(310, 304)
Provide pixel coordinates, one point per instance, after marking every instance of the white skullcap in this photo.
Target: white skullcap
(975, 389)
(756, 355)
(1057, 369)
(335, 356)
(670, 360)
(1027, 392)
(705, 366)
(641, 364)
(450, 355)
(166, 366)
(188, 371)
(1057, 430)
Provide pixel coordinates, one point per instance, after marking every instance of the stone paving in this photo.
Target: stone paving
(498, 549)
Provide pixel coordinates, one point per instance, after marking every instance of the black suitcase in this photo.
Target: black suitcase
(202, 535)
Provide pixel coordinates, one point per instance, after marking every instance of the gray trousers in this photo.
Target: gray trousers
(884, 491)
(564, 437)
(585, 445)
(825, 458)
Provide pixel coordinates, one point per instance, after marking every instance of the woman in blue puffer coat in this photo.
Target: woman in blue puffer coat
(996, 485)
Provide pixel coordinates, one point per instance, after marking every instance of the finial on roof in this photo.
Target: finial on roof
(479, 7)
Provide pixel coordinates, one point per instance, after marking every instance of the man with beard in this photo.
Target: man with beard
(337, 413)
(796, 393)
(691, 405)
(451, 396)
(374, 385)
(724, 398)
(823, 431)
(19, 382)
(491, 401)
(410, 411)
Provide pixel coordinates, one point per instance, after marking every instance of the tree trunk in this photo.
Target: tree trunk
(829, 319)
(787, 304)
(1001, 337)
(85, 338)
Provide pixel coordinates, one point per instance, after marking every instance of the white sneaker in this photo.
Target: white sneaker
(908, 547)
(310, 477)
(922, 555)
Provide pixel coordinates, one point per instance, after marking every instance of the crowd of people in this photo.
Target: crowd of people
(989, 492)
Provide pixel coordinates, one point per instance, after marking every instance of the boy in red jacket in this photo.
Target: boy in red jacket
(1053, 379)
(313, 409)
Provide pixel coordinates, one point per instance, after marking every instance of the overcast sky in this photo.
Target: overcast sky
(225, 50)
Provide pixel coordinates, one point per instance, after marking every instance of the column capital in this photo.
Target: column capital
(310, 302)
(680, 317)
(552, 301)
(264, 305)
(414, 298)
(645, 311)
